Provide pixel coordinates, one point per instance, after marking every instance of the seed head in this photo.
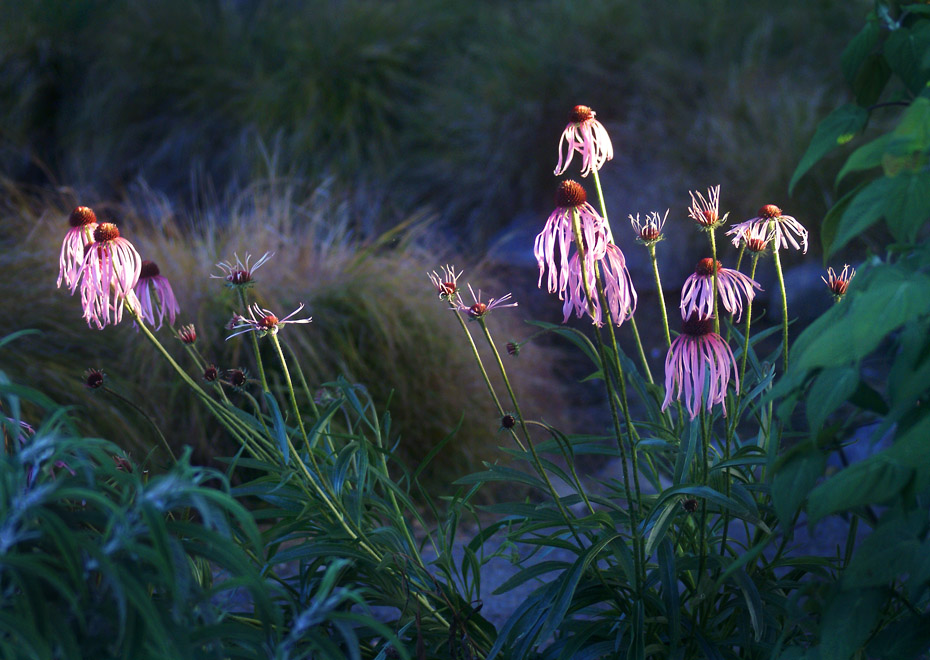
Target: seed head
(236, 377)
(508, 421)
(477, 310)
(690, 505)
(149, 269)
(211, 373)
(513, 348)
(80, 216)
(695, 326)
(570, 193)
(93, 378)
(839, 283)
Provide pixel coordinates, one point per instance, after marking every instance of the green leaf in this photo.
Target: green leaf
(830, 389)
(858, 50)
(848, 622)
(837, 128)
(865, 209)
(280, 432)
(879, 478)
(892, 549)
(904, 49)
(867, 156)
(794, 479)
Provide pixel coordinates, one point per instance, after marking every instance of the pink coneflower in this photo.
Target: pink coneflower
(264, 322)
(706, 212)
(108, 274)
(696, 355)
(784, 226)
(649, 231)
(557, 233)
(618, 289)
(757, 238)
(446, 283)
(481, 309)
(587, 136)
(697, 294)
(156, 298)
(240, 274)
(839, 283)
(83, 222)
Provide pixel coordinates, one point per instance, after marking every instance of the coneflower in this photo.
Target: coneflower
(587, 136)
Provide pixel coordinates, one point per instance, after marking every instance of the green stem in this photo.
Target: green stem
(290, 391)
(655, 272)
(784, 305)
(258, 355)
(713, 255)
(639, 347)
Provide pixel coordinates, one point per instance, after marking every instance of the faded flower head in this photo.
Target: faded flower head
(588, 137)
(156, 298)
(649, 231)
(838, 284)
(786, 230)
(697, 294)
(240, 274)
(706, 211)
(264, 321)
(757, 238)
(211, 373)
(480, 309)
(237, 378)
(93, 378)
(107, 276)
(82, 223)
(555, 243)
(696, 356)
(446, 283)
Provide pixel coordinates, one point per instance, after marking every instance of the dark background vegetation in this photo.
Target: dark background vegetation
(312, 128)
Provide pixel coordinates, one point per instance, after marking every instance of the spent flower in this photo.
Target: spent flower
(697, 355)
(786, 229)
(481, 309)
(588, 137)
(706, 211)
(264, 321)
(446, 282)
(239, 274)
(187, 334)
(839, 284)
(697, 294)
(649, 230)
(156, 297)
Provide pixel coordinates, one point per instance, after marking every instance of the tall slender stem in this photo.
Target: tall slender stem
(784, 305)
(139, 410)
(713, 254)
(258, 354)
(655, 272)
(290, 391)
(639, 348)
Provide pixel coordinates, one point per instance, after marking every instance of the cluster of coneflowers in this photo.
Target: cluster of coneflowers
(580, 261)
(111, 276)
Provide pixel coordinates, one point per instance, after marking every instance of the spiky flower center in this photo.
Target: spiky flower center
(690, 505)
(239, 277)
(447, 289)
(478, 309)
(706, 267)
(839, 286)
(508, 421)
(268, 321)
(650, 233)
(581, 113)
(105, 231)
(80, 216)
(570, 194)
(211, 373)
(770, 212)
(695, 326)
(756, 244)
(149, 269)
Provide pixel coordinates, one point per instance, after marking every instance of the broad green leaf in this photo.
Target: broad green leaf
(848, 622)
(830, 389)
(904, 49)
(906, 637)
(867, 156)
(858, 50)
(892, 549)
(837, 128)
(793, 480)
(866, 208)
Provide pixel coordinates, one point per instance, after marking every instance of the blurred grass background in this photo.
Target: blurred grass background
(313, 128)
